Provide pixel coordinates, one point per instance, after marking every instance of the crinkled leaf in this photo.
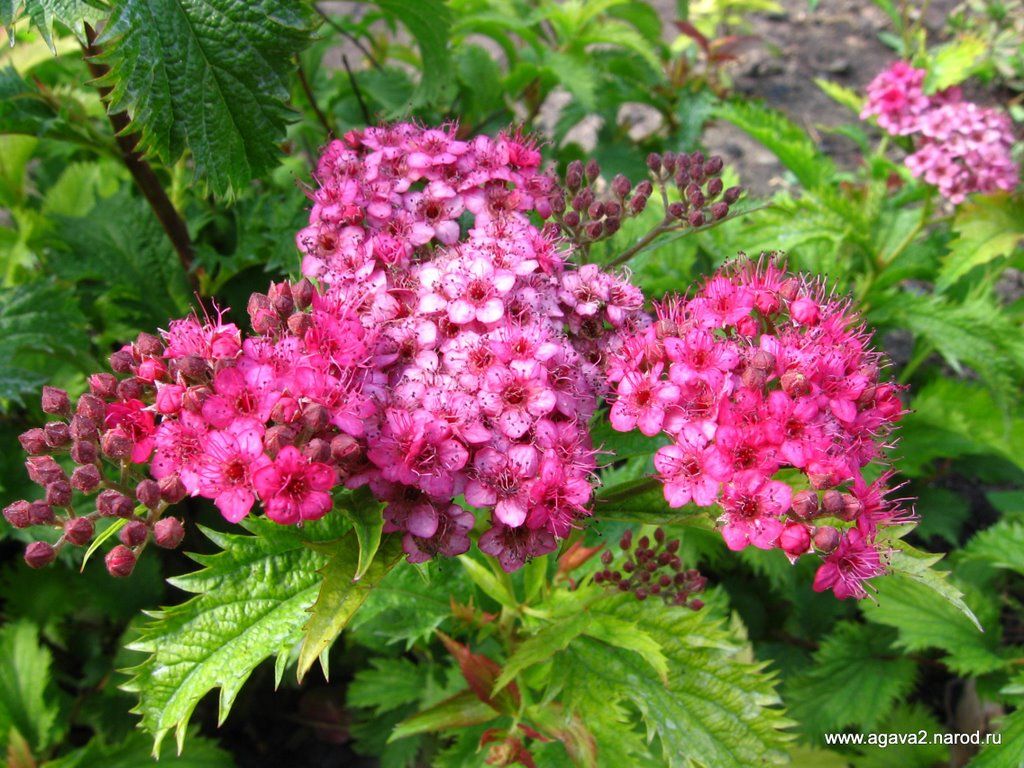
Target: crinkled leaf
(210, 76)
(134, 752)
(73, 14)
(987, 227)
(460, 711)
(386, 684)
(953, 62)
(855, 679)
(541, 645)
(718, 708)
(340, 594)
(1009, 753)
(27, 703)
(1001, 546)
(251, 600)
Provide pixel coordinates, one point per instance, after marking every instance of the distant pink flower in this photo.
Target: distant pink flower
(897, 99)
(641, 402)
(501, 480)
(515, 399)
(293, 488)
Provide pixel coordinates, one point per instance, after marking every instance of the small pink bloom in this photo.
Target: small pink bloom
(230, 457)
(293, 488)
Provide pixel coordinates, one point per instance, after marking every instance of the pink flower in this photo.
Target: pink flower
(897, 99)
(131, 419)
(689, 474)
(293, 488)
(752, 507)
(501, 480)
(641, 402)
(852, 563)
(234, 399)
(514, 546)
(415, 449)
(469, 292)
(230, 457)
(515, 399)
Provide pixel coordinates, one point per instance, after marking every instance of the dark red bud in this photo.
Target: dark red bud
(86, 478)
(41, 513)
(719, 210)
(17, 514)
(39, 554)
(317, 450)
(57, 434)
(593, 170)
(121, 361)
(172, 490)
(82, 428)
(120, 561)
(832, 503)
(78, 530)
(714, 188)
(133, 533)
(56, 401)
(654, 162)
(826, 539)
(852, 507)
(677, 210)
(92, 407)
(696, 219)
(732, 194)
(168, 532)
(621, 186)
(33, 441)
(805, 504)
(43, 470)
(116, 445)
(58, 494)
(299, 323)
(83, 452)
(103, 385)
(131, 388)
(148, 493)
(302, 293)
(112, 503)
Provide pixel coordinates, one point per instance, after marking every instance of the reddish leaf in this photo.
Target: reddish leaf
(481, 673)
(575, 556)
(694, 34)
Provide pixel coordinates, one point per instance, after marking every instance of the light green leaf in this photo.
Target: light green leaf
(340, 594)
(251, 600)
(210, 76)
(841, 95)
(460, 711)
(73, 14)
(491, 585)
(429, 22)
(630, 637)
(917, 565)
(954, 62)
(718, 708)
(987, 228)
(27, 703)
(541, 645)
(1001, 546)
(855, 679)
(364, 512)
(1009, 752)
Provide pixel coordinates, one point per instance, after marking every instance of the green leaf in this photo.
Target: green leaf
(111, 529)
(73, 14)
(460, 711)
(1001, 546)
(923, 622)
(718, 707)
(251, 600)
(786, 140)
(906, 718)
(855, 679)
(541, 645)
(987, 228)
(26, 691)
(387, 684)
(841, 95)
(917, 565)
(429, 22)
(954, 62)
(495, 588)
(341, 594)
(364, 512)
(1009, 752)
(210, 76)
(135, 751)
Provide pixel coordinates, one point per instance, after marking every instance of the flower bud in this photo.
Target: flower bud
(574, 175)
(131, 388)
(696, 219)
(122, 360)
(557, 202)
(116, 445)
(103, 385)
(596, 210)
(33, 441)
(17, 514)
(795, 539)
(571, 219)
(148, 345)
(344, 448)
(86, 478)
(317, 450)
(193, 367)
(832, 503)
(805, 311)
(120, 561)
(668, 162)
(593, 170)
(594, 229)
(277, 437)
(133, 533)
(611, 226)
(719, 210)
(41, 513)
(299, 323)
(654, 162)
(168, 398)
(39, 554)
(621, 185)
(57, 434)
(92, 407)
(302, 293)
(732, 194)
(168, 532)
(713, 166)
(281, 298)
(315, 418)
(695, 196)
(852, 507)
(794, 384)
(152, 370)
(78, 530)
(56, 401)
(805, 504)
(43, 470)
(763, 360)
(111, 503)
(84, 452)
(148, 493)
(172, 490)
(82, 428)
(58, 494)
(193, 398)
(826, 538)
(714, 188)
(677, 210)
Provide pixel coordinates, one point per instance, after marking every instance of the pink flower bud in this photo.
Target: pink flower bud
(795, 539)
(33, 442)
(299, 323)
(826, 538)
(17, 514)
(56, 401)
(152, 370)
(39, 554)
(103, 385)
(43, 470)
(148, 493)
(58, 493)
(317, 450)
(168, 398)
(116, 445)
(805, 311)
(194, 398)
(83, 428)
(86, 478)
(92, 407)
(832, 503)
(302, 293)
(78, 530)
(57, 434)
(148, 345)
(133, 533)
(172, 490)
(852, 507)
(286, 409)
(41, 513)
(122, 360)
(131, 388)
(84, 452)
(168, 532)
(120, 561)
(794, 384)
(805, 504)
(112, 503)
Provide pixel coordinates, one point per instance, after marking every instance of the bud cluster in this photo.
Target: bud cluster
(702, 198)
(652, 569)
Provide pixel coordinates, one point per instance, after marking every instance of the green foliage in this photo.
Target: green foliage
(28, 708)
(209, 76)
(429, 21)
(73, 14)
(250, 603)
(986, 229)
(135, 751)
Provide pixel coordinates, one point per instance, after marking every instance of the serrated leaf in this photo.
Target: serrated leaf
(340, 595)
(855, 679)
(1009, 752)
(987, 228)
(540, 646)
(387, 684)
(251, 600)
(906, 719)
(135, 751)
(1001, 546)
(718, 707)
(787, 141)
(27, 705)
(73, 14)
(495, 588)
(460, 711)
(954, 62)
(917, 565)
(364, 512)
(923, 622)
(841, 95)
(210, 76)
(429, 22)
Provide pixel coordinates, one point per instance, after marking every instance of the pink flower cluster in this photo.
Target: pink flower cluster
(484, 368)
(765, 385)
(962, 148)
